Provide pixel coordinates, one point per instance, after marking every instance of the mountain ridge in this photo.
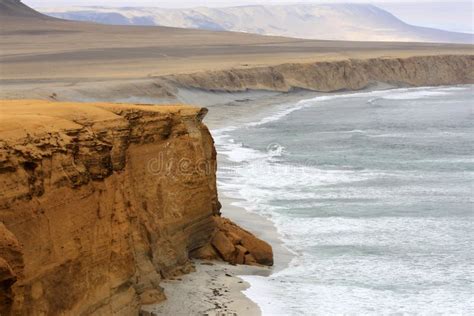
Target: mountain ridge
(359, 22)
(16, 8)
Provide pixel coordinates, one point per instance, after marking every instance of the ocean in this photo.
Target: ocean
(373, 194)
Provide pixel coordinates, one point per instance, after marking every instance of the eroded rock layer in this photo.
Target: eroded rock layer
(328, 76)
(235, 245)
(99, 202)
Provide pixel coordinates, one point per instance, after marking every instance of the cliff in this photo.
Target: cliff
(100, 202)
(329, 76)
(326, 74)
(322, 76)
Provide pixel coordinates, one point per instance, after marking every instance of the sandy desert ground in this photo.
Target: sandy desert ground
(44, 57)
(43, 49)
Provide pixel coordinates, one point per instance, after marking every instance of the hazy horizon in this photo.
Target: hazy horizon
(215, 3)
(455, 16)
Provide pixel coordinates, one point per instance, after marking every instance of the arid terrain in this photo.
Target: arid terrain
(44, 57)
(87, 225)
(336, 21)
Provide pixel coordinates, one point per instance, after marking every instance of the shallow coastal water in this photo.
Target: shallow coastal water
(371, 191)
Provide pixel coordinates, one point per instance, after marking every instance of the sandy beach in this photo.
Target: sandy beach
(214, 288)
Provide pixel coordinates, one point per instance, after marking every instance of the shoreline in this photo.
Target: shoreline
(91, 222)
(234, 287)
(261, 227)
(259, 289)
(216, 288)
(212, 289)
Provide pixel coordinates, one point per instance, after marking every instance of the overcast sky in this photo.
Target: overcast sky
(191, 3)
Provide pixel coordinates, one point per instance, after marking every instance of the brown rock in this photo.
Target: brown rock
(235, 238)
(241, 252)
(250, 260)
(152, 296)
(335, 75)
(102, 203)
(208, 252)
(224, 246)
(11, 267)
(11, 251)
(7, 278)
(260, 250)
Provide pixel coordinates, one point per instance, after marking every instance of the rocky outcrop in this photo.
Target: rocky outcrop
(328, 76)
(11, 267)
(100, 202)
(233, 244)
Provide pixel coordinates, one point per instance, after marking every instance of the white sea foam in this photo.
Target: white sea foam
(415, 95)
(357, 277)
(395, 94)
(353, 277)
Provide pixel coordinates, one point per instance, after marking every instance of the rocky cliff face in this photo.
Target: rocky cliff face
(331, 76)
(324, 76)
(99, 202)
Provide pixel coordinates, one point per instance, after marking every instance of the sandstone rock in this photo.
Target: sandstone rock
(11, 267)
(259, 249)
(224, 246)
(236, 245)
(207, 252)
(152, 296)
(327, 76)
(241, 252)
(11, 251)
(250, 260)
(234, 237)
(97, 204)
(100, 202)
(7, 279)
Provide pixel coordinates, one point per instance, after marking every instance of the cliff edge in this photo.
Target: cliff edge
(100, 202)
(321, 76)
(330, 76)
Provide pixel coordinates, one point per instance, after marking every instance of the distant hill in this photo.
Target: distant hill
(15, 8)
(354, 22)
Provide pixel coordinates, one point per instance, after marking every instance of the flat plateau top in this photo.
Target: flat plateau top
(19, 118)
(50, 49)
